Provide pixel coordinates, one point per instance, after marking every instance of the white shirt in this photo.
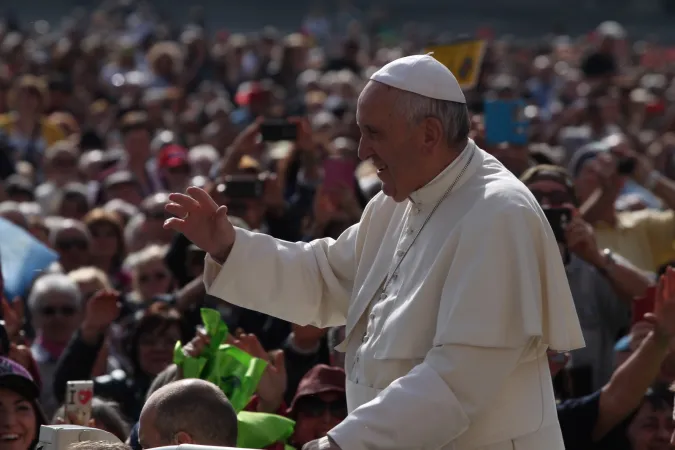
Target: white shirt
(453, 354)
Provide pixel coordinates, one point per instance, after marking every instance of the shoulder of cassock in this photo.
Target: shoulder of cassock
(506, 282)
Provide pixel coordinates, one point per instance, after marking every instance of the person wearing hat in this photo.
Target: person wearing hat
(603, 284)
(174, 167)
(20, 412)
(319, 404)
(451, 286)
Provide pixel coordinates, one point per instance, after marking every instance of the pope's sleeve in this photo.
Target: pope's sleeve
(491, 317)
(304, 283)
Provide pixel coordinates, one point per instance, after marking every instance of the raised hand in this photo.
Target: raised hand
(202, 221)
(100, 312)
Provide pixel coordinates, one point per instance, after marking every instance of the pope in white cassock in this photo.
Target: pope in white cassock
(451, 286)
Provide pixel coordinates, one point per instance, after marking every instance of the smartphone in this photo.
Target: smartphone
(626, 166)
(274, 130)
(242, 187)
(505, 122)
(79, 395)
(339, 173)
(4, 339)
(558, 218)
(643, 305)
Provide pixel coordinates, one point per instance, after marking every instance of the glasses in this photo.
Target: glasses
(315, 407)
(72, 244)
(147, 277)
(65, 311)
(552, 197)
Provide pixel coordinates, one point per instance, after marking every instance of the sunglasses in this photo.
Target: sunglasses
(315, 407)
(553, 197)
(70, 244)
(65, 311)
(147, 277)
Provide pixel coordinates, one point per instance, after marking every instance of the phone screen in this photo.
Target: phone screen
(506, 122)
(338, 173)
(274, 130)
(643, 305)
(558, 218)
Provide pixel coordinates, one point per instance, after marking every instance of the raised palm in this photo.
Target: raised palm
(201, 220)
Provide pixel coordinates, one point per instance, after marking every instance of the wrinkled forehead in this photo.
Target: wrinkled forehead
(375, 100)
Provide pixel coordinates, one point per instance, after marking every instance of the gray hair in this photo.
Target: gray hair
(46, 285)
(454, 116)
(197, 407)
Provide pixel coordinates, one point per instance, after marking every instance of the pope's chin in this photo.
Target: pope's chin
(388, 185)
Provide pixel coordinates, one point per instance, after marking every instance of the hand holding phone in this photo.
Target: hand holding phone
(559, 219)
(79, 395)
(274, 130)
(643, 305)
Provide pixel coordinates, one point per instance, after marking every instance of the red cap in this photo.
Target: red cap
(250, 91)
(321, 378)
(171, 156)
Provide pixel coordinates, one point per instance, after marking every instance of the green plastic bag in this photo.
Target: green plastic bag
(259, 430)
(237, 374)
(233, 370)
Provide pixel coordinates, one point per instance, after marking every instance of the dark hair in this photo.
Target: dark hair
(107, 414)
(157, 318)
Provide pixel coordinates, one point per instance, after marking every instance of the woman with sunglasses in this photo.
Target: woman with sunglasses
(55, 305)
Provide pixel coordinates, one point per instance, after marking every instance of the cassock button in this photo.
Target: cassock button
(394, 276)
(399, 253)
(416, 211)
(410, 231)
(372, 316)
(365, 337)
(383, 296)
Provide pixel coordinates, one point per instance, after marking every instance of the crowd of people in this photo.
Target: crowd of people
(100, 120)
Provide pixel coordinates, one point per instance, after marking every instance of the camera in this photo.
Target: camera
(61, 437)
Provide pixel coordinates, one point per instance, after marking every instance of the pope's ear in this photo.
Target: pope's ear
(433, 133)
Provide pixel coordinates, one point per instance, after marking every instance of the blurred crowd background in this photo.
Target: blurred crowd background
(106, 108)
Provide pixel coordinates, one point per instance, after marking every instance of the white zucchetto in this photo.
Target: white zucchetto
(423, 75)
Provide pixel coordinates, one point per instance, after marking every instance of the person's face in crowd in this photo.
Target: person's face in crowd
(177, 178)
(590, 178)
(250, 210)
(128, 192)
(105, 240)
(154, 224)
(155, 349)
(57, 317)
(164, 66)
(73, 248)
(74, 207)
(550, 194)
(29, 102)
(18, 422)
(391, 142)
(651, 428)
(63, 168)
(137, 144)
(151, 279)
(317, 415)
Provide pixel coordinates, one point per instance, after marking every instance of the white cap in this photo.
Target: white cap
(423, 75)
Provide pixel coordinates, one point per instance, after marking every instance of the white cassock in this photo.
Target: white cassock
(453, 354)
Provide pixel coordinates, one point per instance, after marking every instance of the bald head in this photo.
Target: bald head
(188, 411)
